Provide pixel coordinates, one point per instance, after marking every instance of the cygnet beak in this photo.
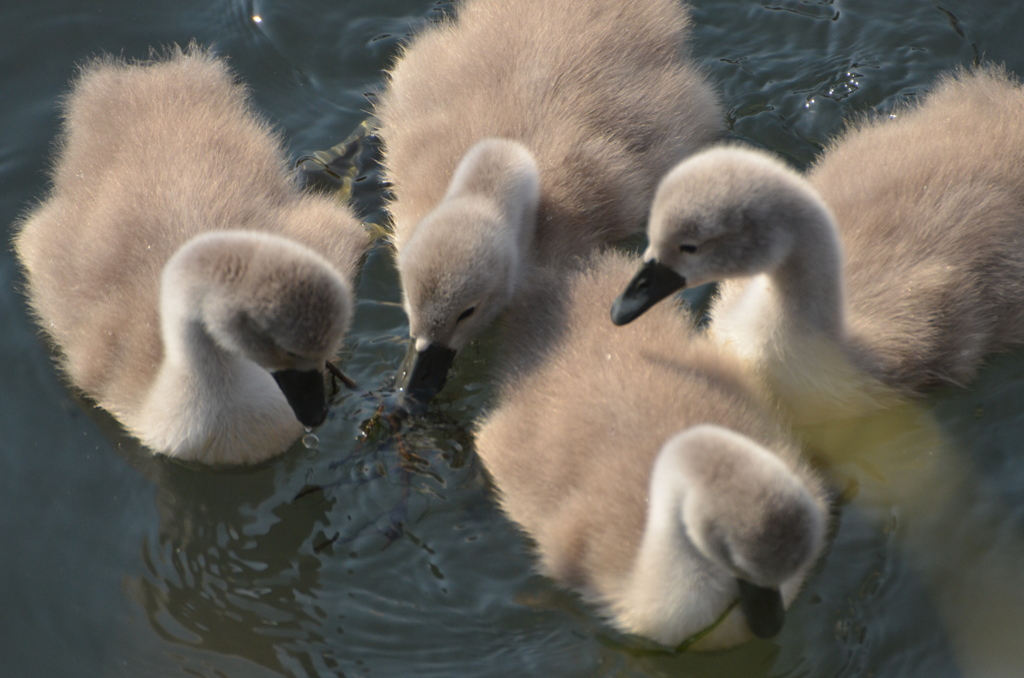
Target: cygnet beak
(305, 393)
(427, 374)
(652, 283)
(762, 608)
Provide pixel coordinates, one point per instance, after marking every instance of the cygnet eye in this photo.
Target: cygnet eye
(465, 314)
(690, 249)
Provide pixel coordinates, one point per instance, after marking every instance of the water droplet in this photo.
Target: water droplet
(310, 441)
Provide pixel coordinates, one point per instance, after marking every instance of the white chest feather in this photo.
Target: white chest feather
(235, 416)
(810, 373)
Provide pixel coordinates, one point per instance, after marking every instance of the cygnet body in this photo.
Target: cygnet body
(896, 264)
(521, 132)
(176, 265)
(647, 469)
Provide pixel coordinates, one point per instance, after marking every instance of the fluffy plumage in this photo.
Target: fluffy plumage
(896, 264)
(644, 463)
(574, 110)
(167, 162)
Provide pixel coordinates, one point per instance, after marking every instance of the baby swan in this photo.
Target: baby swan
(510, 141)
(647, 470)
(462, 264)
(929, 208)
(191, 289)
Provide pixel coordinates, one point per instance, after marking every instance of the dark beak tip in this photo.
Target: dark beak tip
(619, 315)
(312, 421)
(304, 391)
(767, 632)
(652, 283)
(763, 609)
(426, 376)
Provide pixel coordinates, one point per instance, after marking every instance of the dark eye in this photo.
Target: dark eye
(465, 314)
(688, 248)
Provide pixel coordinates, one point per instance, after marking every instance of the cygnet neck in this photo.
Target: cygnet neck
(810, 279)
(208, 403)
(188, 345)
(669, 562)
(505, 174)
(803, 292)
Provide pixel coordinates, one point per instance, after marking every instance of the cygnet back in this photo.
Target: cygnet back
(930, 207)
(603, 93)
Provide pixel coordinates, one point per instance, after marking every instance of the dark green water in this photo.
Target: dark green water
(382, 555)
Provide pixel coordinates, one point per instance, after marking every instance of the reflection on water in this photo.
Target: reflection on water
(964, 543)
(305, 579)
(234, 583)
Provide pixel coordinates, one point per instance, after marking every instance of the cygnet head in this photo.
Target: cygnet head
(754, 526)
(461, 266)
(266, 299)
(725, 213)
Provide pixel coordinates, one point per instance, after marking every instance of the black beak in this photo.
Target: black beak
(652, 283)
(427, 374)
(305, 393)
(762, 608)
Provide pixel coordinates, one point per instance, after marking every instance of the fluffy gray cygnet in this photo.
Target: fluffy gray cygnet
(191, 289)
(523, 131)
(895, 265)
(648, 468)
